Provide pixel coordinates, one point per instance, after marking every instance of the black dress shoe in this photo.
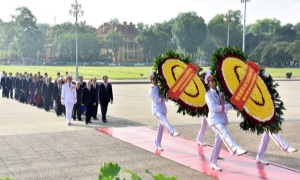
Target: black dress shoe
(96, 119)
(79, 119)
(104, 120)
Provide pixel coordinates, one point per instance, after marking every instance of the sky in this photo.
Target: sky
(97, 12)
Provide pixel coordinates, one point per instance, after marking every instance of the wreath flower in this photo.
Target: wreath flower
(263, 109)
(168, 68)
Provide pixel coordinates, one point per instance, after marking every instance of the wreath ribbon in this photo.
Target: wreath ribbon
(245, 88)
(183, 81)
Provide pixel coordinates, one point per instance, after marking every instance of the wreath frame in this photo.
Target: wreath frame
(249, 124)
(162, 83)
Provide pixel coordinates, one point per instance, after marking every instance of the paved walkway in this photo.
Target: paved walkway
(188, 153)
(35, 144)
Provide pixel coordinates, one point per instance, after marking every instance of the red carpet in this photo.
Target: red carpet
(189, 154)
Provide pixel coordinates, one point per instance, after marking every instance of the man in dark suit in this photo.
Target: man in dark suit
(3, 84)
(16, 80)
(82, 83)
(77, 105)
(23, 90)
(59, 108)
(51, 87)
(26, 87)
(95, 86)
(105, 96)
(47, 94)
(9, 85)
(89, 100)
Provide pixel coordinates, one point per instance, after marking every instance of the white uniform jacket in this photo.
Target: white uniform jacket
(68, 94)
(157, 105)
(216, 114)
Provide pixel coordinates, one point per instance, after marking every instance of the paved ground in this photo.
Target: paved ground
(35, 144)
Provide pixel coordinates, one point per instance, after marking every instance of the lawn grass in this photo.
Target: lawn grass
(119, 72)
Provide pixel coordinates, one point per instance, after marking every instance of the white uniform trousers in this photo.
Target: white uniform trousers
(222, 134)
(265, 141)
(202, 129)
(69, 109)
(163, 123)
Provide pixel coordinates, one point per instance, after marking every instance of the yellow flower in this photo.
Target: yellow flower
(259, 105)
(194, 93)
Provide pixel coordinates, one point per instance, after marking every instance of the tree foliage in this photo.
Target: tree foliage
(64, 39)
(218, 29)
(264, 26)
(275, 55)
(189, 31)
(114, 41)
(156, 39)
(293, 50)
(23, 38)
(27, 38)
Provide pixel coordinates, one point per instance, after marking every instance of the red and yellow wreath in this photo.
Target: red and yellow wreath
(262, 108)
(169, 67)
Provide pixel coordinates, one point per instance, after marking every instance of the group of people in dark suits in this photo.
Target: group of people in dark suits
(7, 85)
(40, 91)
(27, 88)
(92, 95)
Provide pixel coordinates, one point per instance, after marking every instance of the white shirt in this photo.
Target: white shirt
(68, 94)
(1, 75)
(216, 114)
(157, 105)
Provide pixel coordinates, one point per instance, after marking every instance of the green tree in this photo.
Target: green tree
(63, 37)
(7, 32)
(276, 55)
(114, 21)
(6, 42)
(189, 31)
(166, 39)
(218, 29)
(64, 41)
(206, 50)
(285, 33)
(252, 41)
(294, 50)
(146, 39)
(257, 52)
(26, 39)
(140, 26)
(115, 41)
(156, 39)
(297, 28)
(264, 26)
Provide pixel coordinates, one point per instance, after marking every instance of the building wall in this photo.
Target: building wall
(131, 51)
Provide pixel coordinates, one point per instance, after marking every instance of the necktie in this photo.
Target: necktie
(218, 93)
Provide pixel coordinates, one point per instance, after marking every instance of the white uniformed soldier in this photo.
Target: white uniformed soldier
(159, 109)
(276, 138)
(218, 120)
(201, 132)
(68, 97)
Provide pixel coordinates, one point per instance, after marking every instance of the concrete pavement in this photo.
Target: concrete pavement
(35, 144)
